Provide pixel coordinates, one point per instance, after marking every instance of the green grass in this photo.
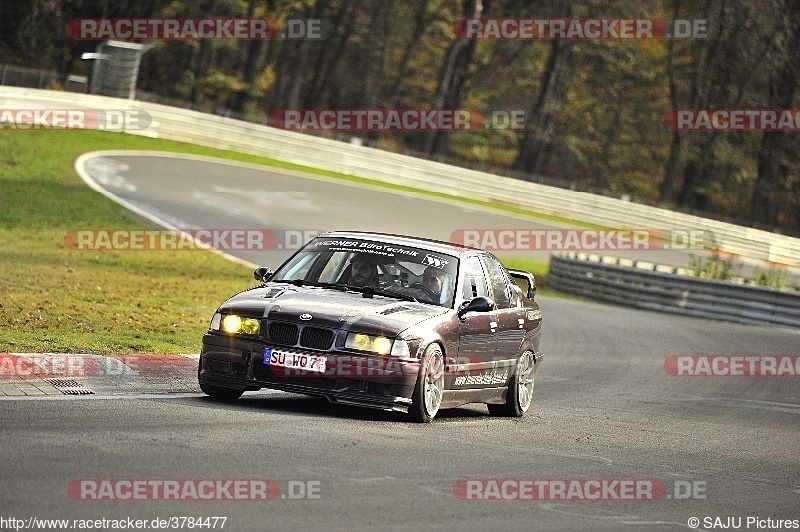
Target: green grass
(55, 299)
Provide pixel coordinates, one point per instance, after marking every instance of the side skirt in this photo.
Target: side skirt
(454, 398)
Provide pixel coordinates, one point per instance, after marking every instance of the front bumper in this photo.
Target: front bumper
(367, 381)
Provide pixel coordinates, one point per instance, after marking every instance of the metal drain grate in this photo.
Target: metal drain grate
(70, 386)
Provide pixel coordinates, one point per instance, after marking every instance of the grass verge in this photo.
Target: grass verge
(54, 299)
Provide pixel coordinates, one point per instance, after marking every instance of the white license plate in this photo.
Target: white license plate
(283, 359)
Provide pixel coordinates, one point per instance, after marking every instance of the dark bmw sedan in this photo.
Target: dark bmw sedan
(381, 321)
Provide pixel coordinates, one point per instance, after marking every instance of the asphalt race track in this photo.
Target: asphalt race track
(187, 193)
(607, 411)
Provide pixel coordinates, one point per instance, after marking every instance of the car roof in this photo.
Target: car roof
(438, 246)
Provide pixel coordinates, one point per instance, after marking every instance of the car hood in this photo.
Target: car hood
(331, 308)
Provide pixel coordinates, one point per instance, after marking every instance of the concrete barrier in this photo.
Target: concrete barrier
(226, 133)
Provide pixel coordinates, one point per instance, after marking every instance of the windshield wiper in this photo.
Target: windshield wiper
(332, 285)
(303, 282)
(366, 290)
(370, 291)
(295, 282)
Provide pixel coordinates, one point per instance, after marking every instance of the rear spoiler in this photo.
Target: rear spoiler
(527, 278)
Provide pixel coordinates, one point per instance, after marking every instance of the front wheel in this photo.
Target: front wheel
(520, 389)
(427, 397)
(221, 392)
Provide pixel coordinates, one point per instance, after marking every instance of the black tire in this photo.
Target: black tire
(427, 397)
(221, 392)
(520, 389)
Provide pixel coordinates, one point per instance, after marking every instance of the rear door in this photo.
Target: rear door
(510, 314)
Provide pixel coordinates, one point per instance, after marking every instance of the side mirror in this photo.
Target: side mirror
(262, 274)
(477, 304)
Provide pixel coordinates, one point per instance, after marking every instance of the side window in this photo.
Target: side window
(333, 268)
(498, 280)
(474, 281)
(516, 295)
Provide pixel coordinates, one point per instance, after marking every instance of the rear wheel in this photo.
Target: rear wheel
(427, 397)
(520, 389)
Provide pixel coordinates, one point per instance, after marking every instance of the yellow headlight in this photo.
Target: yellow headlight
(382, 345)
(232, 323)
(361, 342)
(365, 342)
(250, 326)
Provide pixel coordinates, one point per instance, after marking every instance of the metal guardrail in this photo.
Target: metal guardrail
(659, 290)
(41, 79)
(227, 133)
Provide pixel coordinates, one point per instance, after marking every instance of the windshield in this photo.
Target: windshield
(374, 267)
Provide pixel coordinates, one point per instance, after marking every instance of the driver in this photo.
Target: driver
(432, 279)
(363, 271)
